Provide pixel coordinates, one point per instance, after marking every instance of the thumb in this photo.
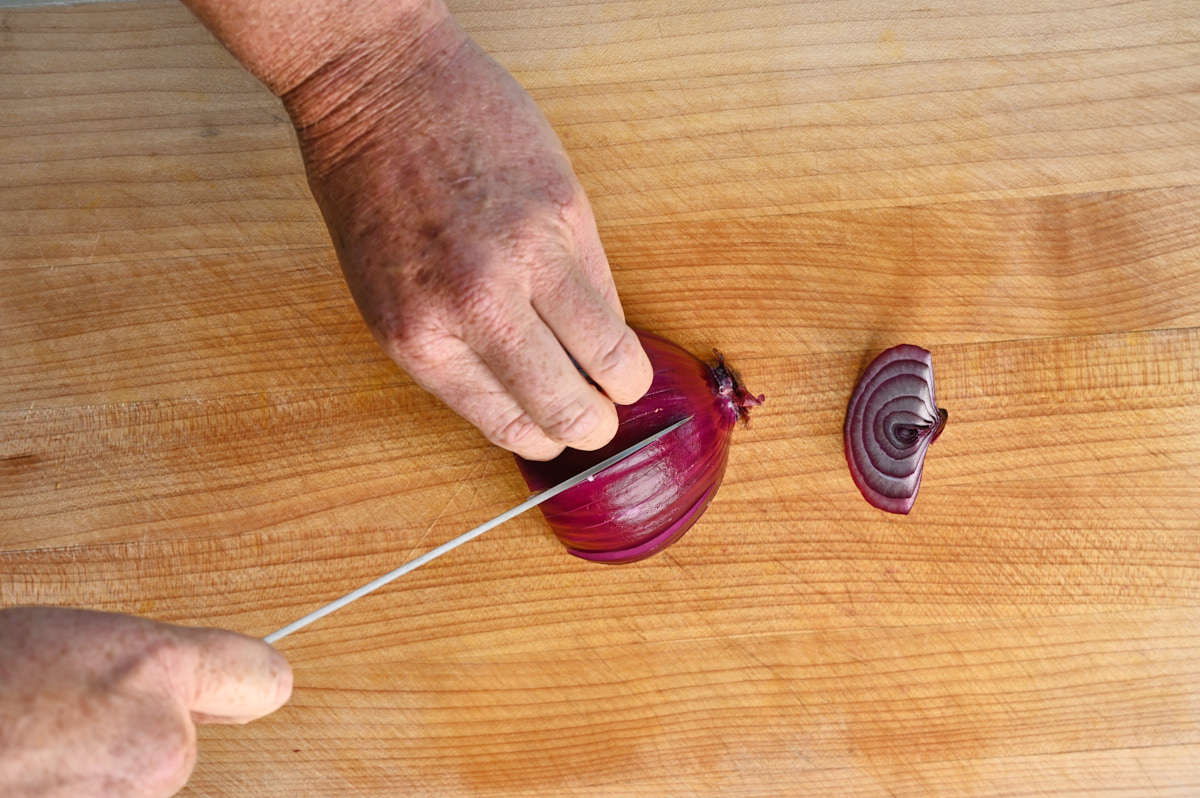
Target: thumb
(233, 678)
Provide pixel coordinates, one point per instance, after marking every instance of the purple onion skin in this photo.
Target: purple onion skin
(891, 421)
(646, 502)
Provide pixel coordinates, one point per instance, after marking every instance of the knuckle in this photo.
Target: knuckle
(520, 434)
(418, 342)
(416, 354)
(575, 209)
(536, 235)
(493, 322)
(147, 658)
(576, 425)
(404, 326)
(615, 357)
(483, 305)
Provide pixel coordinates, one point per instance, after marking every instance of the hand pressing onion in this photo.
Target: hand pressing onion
(890, 423)
(648, 501)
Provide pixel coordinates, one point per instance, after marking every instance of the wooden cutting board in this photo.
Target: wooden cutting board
(195, 426)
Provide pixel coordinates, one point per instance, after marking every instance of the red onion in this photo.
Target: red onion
(890, 423)
(646, 502)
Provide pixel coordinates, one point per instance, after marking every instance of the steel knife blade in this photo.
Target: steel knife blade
(432, 554)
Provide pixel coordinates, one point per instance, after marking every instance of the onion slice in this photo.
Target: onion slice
(891, 421)
(648, 501)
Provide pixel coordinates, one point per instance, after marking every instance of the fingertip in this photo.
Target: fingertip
(642, 376)
(625, 372)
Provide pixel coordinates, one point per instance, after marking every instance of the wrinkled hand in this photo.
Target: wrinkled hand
(467, 241)
(94, 705)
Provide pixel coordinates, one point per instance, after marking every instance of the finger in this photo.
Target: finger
(596, 336)
(461, 379)
(232, 678)
(592, 259)
(531, 363)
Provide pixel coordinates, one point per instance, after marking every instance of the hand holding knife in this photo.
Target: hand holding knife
(433, 554)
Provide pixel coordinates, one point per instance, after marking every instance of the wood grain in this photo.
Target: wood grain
(196, 427)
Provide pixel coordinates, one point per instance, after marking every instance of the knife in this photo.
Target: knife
(432, 554)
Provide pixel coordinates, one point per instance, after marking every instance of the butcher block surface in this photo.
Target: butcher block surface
(195, 425)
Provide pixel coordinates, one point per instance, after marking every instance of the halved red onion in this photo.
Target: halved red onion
(648, 501)
(891, 421)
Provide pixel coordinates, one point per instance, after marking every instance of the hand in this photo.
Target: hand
(467, 241)
(464, 236)
(94, 705)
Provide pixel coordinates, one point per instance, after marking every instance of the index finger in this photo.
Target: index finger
(597, 336)
(534, 369)
(234, 678)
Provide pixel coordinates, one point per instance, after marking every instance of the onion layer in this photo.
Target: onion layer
(648, 501)
(891, 421)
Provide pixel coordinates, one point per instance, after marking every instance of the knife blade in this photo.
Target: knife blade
(432, 554)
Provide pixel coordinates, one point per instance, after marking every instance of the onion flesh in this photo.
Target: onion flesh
(891, 421)
(646, 502)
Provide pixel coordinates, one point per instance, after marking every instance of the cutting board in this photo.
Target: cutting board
(196, 427)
